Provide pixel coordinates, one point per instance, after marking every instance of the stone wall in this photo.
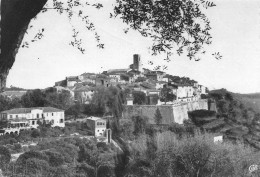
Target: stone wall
(171, 113)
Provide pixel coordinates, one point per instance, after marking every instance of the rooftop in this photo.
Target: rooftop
(95, 118)
(28, 110)
(117, 71)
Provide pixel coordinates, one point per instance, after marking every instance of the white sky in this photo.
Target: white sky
(235, 30)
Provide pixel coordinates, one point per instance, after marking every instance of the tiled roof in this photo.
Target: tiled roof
(117, 71)
(94, 118)
(28, 110)
(72, 78)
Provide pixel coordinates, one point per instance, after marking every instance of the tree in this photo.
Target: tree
(110, 100)
(35, 167)
(140, 123)
(139, 97)
(166, 95)
(33, 98)
(94, 161)
(158, 117)
(5, 157)
(36, 133)
(169, 23)
(55, 158)
(21, 162)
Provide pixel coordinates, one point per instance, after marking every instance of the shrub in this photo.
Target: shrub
(191, 156)
(140, 123)
(55, 158)
(5, 157)
(21, 161)
(37, 167)
(35, 133)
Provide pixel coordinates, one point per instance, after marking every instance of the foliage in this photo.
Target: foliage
(34, 98)
(110, 100)
(126, 129)
(5, 157)
(140, 123)
(139, 97)
(21, 162)
(190, 156)
(177, 20)
(158, 117)
(36, 166)
(166, 95)
(55, 158)
(7, 103)
(35, 133)
(49, 97)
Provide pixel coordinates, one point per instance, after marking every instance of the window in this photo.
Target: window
(51, 114)
(33, 122)
(11, 116)
(38, 116)
(16, 116)
(61, 120)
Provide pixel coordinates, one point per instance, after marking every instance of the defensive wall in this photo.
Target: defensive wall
(171, 113)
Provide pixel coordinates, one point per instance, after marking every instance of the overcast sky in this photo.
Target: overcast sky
(235, 30)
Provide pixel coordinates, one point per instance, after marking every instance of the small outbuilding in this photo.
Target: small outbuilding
(97, 126)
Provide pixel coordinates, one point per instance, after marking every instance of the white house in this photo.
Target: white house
(24, 118)
(97, 125)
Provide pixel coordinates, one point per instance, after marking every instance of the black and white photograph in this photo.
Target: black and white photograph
(130, 88)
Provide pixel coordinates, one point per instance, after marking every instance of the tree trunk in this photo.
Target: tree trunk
(15, 18)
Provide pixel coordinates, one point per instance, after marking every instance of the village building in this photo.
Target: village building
(27, 118)
(84, 94)
(102, 80)
(97, 126)
(155, 75)
(160, 84)
(62, 83)
(72, 80)
(88, 78)
(202, 89)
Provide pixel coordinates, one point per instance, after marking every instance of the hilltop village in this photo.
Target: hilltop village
(147, 91)
(135, 78)
(119, 115)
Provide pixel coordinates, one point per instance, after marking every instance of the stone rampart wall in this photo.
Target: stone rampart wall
(170, 113)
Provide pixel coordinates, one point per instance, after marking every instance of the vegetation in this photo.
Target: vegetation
(139, 97)
(166, 95)
(190, 156)
(234, 118)
(158, 117)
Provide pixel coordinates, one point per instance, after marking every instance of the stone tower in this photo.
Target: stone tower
(137, 62)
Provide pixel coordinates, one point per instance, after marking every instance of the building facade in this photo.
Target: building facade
(97, 126)
(27, 118)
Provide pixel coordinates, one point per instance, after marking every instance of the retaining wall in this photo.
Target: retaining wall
(171, 113)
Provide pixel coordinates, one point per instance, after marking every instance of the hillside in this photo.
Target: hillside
(250, 100)
(236, 119)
